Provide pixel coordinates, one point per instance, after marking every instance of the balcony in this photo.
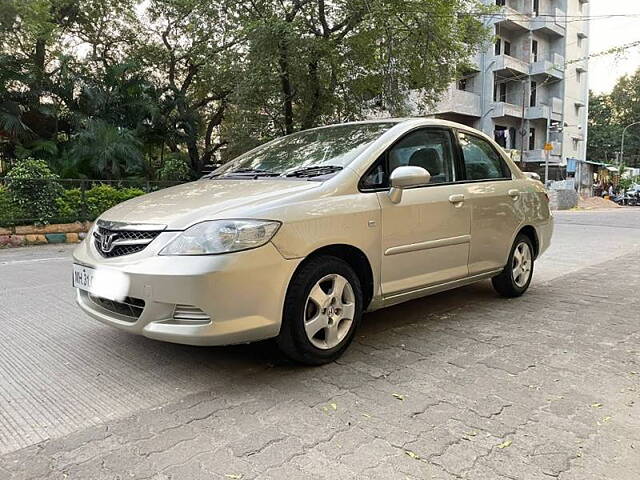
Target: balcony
(550, 110)
(539, 112)
(460, 102)
(557, 105)
(553, 68)
(511, 19)
(551, 24)
(540, 156)
(508, 66)
(504, 109)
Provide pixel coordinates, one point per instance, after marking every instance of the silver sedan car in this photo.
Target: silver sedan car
(295, 239)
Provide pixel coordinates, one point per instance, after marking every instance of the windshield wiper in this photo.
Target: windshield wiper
(249, 172)
(314, 171)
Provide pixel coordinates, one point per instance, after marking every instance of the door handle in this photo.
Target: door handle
(515, 193)
(459, 198)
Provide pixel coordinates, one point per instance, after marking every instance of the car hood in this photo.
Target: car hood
(183, 205)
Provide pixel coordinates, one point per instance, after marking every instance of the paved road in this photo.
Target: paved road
(458, 385)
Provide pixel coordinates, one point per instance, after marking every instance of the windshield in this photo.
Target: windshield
(316, 152)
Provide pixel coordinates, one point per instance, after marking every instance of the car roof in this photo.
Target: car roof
(413, 121)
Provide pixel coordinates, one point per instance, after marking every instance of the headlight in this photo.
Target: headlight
(221, 236)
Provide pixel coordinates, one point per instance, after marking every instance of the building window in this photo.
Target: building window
(534, 50)
(496, 49)
(501, 3)
(500, 136)
(462, 84)
(500, 92)
(507, 48)
(534, 94)
(505, 137)
(575, 144)
(532, 139)
(579, 41)
(578, 76)
(536, 7)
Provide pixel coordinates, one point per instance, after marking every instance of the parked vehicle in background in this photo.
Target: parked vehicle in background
(295, 239)
(633, 195)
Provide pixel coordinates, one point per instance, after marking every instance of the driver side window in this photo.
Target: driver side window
(429, 148)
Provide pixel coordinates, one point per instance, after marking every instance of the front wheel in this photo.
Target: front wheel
(515, 279)
(322, 310)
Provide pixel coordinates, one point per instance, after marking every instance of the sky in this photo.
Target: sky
(610, 32)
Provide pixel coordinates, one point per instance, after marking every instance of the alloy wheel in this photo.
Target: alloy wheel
(329, 311)
(521, 267)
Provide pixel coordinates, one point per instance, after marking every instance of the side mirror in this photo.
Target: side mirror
(532, 176)
(406, 177)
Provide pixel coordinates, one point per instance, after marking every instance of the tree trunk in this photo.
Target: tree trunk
(314, 108)
(285, 82)
(39, 57)
(194, 154)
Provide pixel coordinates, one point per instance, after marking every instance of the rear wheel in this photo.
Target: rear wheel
(322, 310)
(515, 279)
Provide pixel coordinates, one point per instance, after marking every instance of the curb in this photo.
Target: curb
(27, 235)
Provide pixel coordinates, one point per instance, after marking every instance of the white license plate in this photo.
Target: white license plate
(83, 277)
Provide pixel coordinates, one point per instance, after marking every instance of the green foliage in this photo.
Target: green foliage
(98, 199)
(609, 114)
(175, 168)
(103, 89)
(9, 211)
(33, 189)
(113, 152)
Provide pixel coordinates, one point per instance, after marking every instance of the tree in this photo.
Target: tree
(604, 131)
(311, 61)
(189, 49)
(165, 78)
(110, 152)
(609, 114)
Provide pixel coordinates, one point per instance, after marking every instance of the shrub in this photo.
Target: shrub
(98, 199)
(33, 189)
(9, 211)
(69, 205)
(175, 168)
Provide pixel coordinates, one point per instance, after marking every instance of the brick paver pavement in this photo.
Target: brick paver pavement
(542, 386)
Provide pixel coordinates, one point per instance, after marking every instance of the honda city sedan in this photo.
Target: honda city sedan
(295, 239)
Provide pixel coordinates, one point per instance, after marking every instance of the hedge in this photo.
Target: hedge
(97, 200)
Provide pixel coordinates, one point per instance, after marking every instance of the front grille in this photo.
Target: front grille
(115, 240)
(128, 307)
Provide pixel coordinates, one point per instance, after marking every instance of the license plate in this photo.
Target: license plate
(82, 277)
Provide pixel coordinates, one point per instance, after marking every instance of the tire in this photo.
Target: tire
(509, 283)
(313, 304)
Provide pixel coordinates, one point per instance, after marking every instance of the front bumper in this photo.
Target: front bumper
(242, 293)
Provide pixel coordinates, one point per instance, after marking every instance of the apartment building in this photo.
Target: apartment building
(530, 87)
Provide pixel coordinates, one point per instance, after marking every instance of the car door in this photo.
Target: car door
(425, 237)
(494, 197)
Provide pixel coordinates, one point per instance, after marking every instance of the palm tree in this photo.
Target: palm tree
(111, 152)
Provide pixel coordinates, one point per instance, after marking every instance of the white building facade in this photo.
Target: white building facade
(529, 88)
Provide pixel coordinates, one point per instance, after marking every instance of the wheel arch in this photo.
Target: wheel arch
(356, 259)
(532, 234)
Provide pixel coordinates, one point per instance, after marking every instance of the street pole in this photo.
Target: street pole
(522, 123)
(624, 131)
(546, 167)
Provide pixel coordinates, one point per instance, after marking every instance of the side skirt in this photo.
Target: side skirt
(396, 298)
